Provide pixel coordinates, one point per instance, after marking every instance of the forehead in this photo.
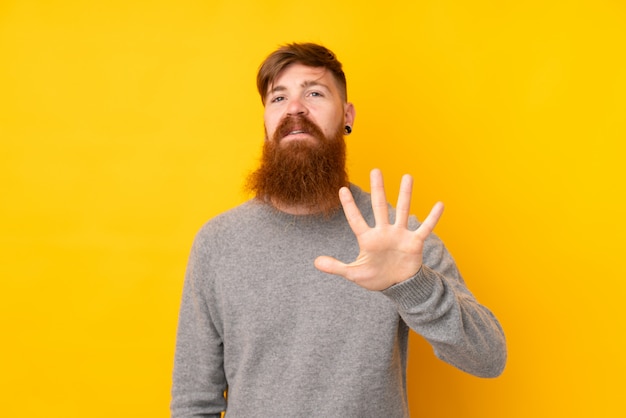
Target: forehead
(299, 75)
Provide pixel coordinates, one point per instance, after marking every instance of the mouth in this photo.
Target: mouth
(296, 134)
(297, 128)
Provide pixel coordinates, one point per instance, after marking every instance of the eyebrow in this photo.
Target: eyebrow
(305, 84)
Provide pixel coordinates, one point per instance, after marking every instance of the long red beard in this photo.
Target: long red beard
(302, 174)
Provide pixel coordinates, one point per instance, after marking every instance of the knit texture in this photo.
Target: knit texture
(259, 321)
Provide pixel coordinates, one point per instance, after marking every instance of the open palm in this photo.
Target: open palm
(389, 253)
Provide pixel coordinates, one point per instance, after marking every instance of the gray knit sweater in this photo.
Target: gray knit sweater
(259, 321)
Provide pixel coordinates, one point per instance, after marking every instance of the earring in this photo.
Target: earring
(348, 129)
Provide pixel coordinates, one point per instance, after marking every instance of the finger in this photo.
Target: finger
(430, 222)
(379, 200)
(352, 212)
(403, 206)
(331, 265)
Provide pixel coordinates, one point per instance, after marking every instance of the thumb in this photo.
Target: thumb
(330, 265)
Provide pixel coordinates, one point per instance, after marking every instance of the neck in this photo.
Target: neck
(294, 209)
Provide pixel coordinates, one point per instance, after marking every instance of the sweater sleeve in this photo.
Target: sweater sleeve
(436, 304)
(198, 383)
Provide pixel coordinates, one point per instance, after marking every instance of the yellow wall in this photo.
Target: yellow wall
(126, 125)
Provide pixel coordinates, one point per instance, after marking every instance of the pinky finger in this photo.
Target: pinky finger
(431, 221)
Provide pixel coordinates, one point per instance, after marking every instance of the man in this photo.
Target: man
(267, 328)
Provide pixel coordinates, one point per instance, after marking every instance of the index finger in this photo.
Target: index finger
(353, 214)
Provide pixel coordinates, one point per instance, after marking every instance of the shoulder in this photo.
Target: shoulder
(229, 222)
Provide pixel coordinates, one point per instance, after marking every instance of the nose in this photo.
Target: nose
(296, 107)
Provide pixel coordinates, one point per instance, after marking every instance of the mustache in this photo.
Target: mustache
(297, 123)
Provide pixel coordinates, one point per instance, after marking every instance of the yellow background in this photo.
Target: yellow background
(126, 125)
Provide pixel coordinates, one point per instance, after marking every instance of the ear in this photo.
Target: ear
(349, 114)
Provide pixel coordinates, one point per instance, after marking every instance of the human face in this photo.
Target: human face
(309, 92)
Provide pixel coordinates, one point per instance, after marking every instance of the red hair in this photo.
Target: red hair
(309, 54)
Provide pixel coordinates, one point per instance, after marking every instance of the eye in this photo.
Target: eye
(277, 99)
(316, 94)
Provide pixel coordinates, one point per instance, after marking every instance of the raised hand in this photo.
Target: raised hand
(389, 253)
